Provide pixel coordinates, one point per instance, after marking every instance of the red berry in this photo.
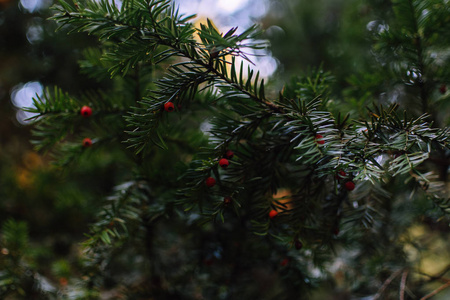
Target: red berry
(273, 213)
(349, 185)
(319, 140)
(224, 162)
(341, 175)
(336, 231)
(87, 142)
(229, 154)
(210, 182)
(86, 111)
(227, 200)
(284, 262)
(169, 107)
(443, 89)
(298, 245)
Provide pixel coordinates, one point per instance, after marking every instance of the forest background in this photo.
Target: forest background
(45, 210)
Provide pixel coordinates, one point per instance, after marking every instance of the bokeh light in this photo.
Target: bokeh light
(231, 13)
(22, 96)
(32, 6)
(231, 6)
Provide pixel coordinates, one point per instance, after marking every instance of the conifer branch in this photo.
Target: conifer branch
(386, 283)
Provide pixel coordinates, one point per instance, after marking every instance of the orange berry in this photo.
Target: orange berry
(273, 213)
(63, 281)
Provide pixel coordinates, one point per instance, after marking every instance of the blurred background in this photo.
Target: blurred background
(51, 208)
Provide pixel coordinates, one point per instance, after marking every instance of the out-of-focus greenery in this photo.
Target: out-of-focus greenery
(334, 34)
(50, 208)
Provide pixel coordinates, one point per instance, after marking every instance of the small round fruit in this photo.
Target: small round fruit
(443, 89)
(319, 140)
(86, 111)
(224, 162)
(341, 175)
(87, 142)
(63, 281)
(349, 185)
(210, 182)
(273, 213)
(298, 245)
(169, 107)
(284, 262)
(228, 154)
(336, 231)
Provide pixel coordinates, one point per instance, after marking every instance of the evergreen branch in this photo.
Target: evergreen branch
(183, 80)
(57, 115)
(364, 206)
(166, 31)
(386, 284)
(120, 218)
(295, 172)
(434, 292)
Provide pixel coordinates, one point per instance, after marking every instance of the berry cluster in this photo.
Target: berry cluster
(86, 112)
(349, 185)
(223, 162)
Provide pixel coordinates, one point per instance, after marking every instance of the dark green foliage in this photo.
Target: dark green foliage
(166, 226)
(18, 280)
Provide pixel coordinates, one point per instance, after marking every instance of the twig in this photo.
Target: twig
(385, 284)
(438, 276)
(403, 284)
(442, 287)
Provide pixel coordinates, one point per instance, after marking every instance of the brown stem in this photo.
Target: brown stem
(439, 289)
(403, 284)
(385, 284)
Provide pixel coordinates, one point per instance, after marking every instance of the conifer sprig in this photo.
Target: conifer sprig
(297, 171)
(153, 31)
